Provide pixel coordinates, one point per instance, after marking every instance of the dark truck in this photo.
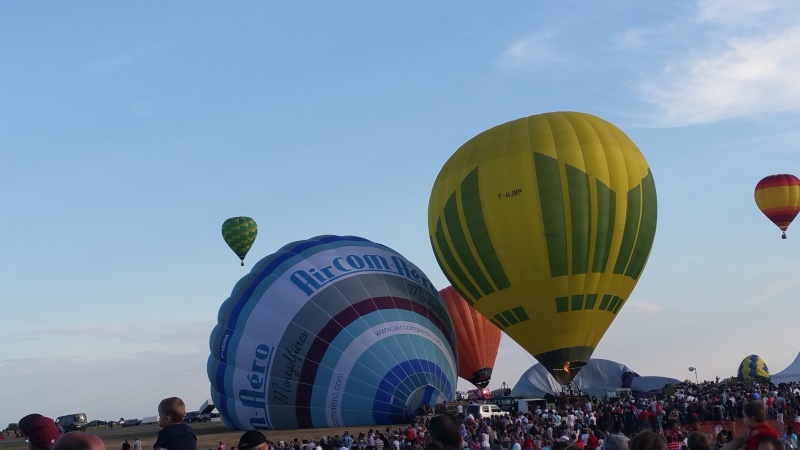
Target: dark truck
(72, 422)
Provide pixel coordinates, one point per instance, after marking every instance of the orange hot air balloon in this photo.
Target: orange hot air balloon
(478, 339)
(778, 197)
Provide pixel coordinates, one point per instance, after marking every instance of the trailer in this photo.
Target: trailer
(208, 412)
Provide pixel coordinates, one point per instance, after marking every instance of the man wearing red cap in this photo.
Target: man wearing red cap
(41, 431)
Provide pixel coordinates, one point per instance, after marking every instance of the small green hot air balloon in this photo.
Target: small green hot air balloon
(240, 233)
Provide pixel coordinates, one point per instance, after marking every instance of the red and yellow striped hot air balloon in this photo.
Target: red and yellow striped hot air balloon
(478, 339)
(778, 197)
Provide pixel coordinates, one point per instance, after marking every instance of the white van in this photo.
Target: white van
(152, 420)
(613, 394)
(483, 410)
(525, 405)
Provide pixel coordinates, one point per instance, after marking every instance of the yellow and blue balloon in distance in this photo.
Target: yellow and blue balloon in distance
(240, 233)
(778, 197)
(544, 224)
(752, 368)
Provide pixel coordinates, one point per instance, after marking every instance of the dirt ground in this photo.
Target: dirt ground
(208, 435)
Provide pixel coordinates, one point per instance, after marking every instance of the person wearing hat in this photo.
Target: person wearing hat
(26, 421)
(41, 431)
(253, 440)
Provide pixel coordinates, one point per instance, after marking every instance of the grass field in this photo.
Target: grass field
(208, 435)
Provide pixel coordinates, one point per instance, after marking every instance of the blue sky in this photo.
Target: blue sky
(129, 132)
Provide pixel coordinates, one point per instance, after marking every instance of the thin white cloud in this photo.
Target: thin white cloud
(734, 11)
(109, 64)
(113, 384)
(531, 51)
(82, 341)
(772, 292)
(633, 38)
(724, 59)
(139, 333)
(750, 77)
(650, 308)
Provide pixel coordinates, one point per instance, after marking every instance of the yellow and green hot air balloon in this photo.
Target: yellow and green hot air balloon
(240, 233)
(544, 224)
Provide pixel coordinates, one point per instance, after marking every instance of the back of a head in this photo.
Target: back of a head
(647, 440)
(770, 444)
(172, 407)
(78, 440)
(698, 441)
(616, 442)
(444, 431)
(756, 410)
(560, 445)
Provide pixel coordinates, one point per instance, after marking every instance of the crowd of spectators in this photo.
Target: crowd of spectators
(599, 424)
(656, 421)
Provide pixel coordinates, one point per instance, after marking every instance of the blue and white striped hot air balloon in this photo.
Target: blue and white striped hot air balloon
(329, 332)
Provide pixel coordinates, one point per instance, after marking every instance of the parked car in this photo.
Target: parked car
(483, 410)
(72, 422)
(131, 423)
(193, 416)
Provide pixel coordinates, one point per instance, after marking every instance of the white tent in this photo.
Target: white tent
(790, 374)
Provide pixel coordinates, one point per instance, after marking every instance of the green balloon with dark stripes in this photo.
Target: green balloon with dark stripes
(240, 233)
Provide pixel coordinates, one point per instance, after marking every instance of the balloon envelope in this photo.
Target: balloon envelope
(329, 332)
(778, 197)
(478, 339)
(240, 233)
(752, 367)
(545, 224)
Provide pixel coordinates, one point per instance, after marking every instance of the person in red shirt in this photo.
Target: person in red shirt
(591, 443)
(528, 442)
(644, 419)
(672, 443)
(755, 418)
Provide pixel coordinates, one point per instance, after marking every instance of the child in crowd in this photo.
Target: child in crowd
(174, 434)
(755, 419)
